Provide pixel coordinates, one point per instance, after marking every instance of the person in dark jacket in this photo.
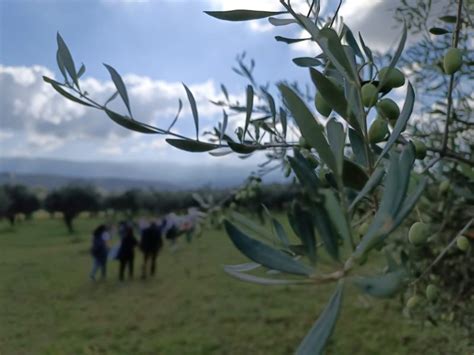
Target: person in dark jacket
(150, 245)
(126, 252)
(99, 251)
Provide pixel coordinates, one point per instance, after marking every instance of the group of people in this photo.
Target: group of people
(150, 243)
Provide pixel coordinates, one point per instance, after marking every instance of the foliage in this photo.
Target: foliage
(446, 129)
(71, 201)
(17, 199)
(352, 168)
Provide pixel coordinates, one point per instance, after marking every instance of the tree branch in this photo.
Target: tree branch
(451, 79)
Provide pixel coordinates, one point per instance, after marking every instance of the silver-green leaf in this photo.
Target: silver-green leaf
(317, 338)
(264, 254)
(120, 85)
(242, 15)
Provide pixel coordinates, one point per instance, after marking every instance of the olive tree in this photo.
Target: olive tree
(5, 203)
(18, 199)
(71, 201)
(445, 126)
(354, 160)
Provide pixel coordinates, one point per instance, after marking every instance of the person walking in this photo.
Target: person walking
(150, 244)
(99, 251)
(170, 227)
(126, 252)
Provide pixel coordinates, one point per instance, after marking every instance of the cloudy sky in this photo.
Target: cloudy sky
(155, 45)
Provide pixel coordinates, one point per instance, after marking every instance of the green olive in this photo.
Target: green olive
(363, 228)
(432, 292)
(321, 105)
(389, 109)
(413, 301)
(369, 95)
(463, 243)
(444, 187)
(418, 233)
(393, 78)
(378, 130)
(452, 61)
(420, 149)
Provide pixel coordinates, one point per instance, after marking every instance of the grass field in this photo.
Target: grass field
(49, 306)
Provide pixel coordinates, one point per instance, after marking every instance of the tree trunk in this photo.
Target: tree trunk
(11, 218)
(68, 221)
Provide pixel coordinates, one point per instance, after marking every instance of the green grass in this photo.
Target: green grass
(49, 306)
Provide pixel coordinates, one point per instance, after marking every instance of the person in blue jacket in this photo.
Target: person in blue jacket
(99, 251)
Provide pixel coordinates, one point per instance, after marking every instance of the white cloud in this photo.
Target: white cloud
(375, 20)
(36, 120)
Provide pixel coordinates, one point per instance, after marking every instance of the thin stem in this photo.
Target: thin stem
(451, 81)
(335, 14)
(453, 155)
(430, 164)
(311, 8)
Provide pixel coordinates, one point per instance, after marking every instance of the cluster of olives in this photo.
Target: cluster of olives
(387, 109)
(418, 235)
(248, 192)
(431, 294)
(419, 232)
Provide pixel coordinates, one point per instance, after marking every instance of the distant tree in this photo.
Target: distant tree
(129, 202)
(71, 201)
(5, 202)
(21, 200)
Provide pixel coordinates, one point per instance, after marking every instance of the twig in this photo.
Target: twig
(448, 153)
(336, 13)
(430, 164)
(451, 80)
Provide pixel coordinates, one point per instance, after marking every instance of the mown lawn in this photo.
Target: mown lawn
(49, 306)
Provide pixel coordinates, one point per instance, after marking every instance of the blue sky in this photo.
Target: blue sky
(171, 40)
(155, 45)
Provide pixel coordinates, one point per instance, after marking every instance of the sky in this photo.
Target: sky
(155, 45)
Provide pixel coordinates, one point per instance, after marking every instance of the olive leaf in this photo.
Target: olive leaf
(120, 85)
(316, 339)
(311, 130)
(264, 254)
(66, 60)
(191, 146)
(194, 109)
(242, 15)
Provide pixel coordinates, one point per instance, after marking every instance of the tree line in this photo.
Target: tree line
(72, 200)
